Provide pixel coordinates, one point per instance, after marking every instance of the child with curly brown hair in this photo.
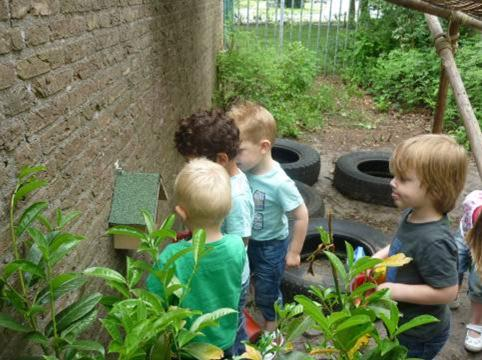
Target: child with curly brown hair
(212, 134)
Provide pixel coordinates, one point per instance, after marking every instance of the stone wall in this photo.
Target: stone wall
(84, 83)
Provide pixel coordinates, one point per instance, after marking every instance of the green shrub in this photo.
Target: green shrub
(281, 81)
(406, 78)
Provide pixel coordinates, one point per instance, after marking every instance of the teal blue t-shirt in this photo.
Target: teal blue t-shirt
(240, 218)
(274, 195)
(216, 284)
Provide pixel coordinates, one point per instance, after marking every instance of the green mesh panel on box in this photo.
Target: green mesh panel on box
(134, 192)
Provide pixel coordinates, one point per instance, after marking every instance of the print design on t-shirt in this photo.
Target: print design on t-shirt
(259, 198)
(395, 248)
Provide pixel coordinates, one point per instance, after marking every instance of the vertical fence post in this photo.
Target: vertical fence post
(281, 24)
(291, 19)
(257, 20)
(337, 36)
(318, 35)
(309, 26)
(347, 30)
(301, 19)
(325, 49)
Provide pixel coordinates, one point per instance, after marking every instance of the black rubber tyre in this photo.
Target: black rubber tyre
(365, 176)
(301, 162)
(312, 199)
(296, 281)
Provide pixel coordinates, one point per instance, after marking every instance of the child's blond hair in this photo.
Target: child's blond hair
(440, 164)
(474, 242)
(254, 122)
(203, 189)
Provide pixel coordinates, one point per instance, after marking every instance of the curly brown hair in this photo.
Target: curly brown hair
(207, 133)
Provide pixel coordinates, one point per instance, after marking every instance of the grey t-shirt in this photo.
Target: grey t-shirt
(434, 253)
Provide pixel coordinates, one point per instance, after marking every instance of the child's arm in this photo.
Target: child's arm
(300, 226)
(421, 294)
(382, 253)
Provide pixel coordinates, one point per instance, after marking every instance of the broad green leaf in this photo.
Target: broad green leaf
(45, 222)
(198, 242)
(37, 338)
(350, 256)
(120, 288)
(27, 188)
(112, 328)
(169, 222)
(29, 215)
(134, 275)
(35, 309)
(184, 336)
(173, 314)
(390, 320)
(199, 323)
(6, 321)
(314, 311)
(347, 338)
(66, 219)
(23, 265)
(16, 300)
(359, 291)
(61, 285)
(150, 299)
(202, 351)
(87, 345)
(126, 230)
(63, 245)
(161, 349)
(353, 321)
(418, 321)
(337, 264)
(106, 274)
(149, 220)
(336, 317)
(297, 327)
(109, 301)
(362, 265)
(29, 170)
(40, 240)
(74, 312)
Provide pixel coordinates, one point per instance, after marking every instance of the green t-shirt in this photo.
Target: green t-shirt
(434, 262)
(216, 284)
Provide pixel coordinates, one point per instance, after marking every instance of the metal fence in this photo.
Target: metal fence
(325, 26)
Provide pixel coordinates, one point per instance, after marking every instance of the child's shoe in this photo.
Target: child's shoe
(471, 343)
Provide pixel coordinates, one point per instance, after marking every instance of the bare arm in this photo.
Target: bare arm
(382, 253)
(300, 226)
(420, 294)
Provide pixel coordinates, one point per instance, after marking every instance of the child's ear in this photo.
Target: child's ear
(222, 159)
(265, 145)
(181, 212)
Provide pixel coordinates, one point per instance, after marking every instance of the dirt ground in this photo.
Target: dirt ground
(382, 132)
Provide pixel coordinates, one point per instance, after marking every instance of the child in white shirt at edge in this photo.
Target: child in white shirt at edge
(270, 249)
(469, 246)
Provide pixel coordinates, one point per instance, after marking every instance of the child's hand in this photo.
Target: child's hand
(293, 259)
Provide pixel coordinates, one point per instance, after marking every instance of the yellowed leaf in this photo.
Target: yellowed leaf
(363, 341)
(396, 260)
(323, 351)
(289, 347)
(251, 354)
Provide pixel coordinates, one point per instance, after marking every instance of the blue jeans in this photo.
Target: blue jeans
(267, 265)
(238, 347)
(464, 265)
(425, 350)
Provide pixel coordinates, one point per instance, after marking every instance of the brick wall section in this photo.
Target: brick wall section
(84, 83)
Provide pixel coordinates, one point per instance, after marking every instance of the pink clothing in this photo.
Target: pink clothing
(472, 208)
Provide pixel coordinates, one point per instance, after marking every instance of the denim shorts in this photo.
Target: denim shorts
(241, 335)
(426, 350)
(267, 265)
(464, 265)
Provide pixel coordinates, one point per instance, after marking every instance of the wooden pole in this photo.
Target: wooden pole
(437, 127)
(425, 7)
(463, 103)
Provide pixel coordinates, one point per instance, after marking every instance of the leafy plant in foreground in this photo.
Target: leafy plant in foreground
(143, 325)
(30, 286)
(345, 315)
